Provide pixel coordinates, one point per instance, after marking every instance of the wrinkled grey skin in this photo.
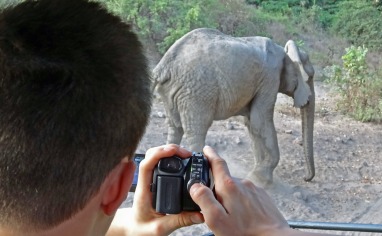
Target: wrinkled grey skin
(207, 75)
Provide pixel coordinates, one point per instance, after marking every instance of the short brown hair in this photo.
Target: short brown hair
(74, 100)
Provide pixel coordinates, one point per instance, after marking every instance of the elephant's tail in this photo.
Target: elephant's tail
(160, 75)
(154, 83)
(154, 80)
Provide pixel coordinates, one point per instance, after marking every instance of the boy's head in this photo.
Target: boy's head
(74, 100)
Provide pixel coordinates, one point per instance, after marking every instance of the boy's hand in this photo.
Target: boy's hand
(142, 219)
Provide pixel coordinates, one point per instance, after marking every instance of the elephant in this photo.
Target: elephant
(207, 75)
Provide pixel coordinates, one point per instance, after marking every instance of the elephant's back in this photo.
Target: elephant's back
(210, 43)
(209, 49)
(205, 44)
(208, 58)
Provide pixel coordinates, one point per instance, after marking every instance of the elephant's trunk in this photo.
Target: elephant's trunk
(307, 117)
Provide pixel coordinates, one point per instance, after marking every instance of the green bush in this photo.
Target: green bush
(359, 21)
(360, 87)
(255, 2)
(318, 16)
(285, 8)
(280, 7)
(163, 21)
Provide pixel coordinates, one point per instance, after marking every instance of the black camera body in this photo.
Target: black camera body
(172, 180)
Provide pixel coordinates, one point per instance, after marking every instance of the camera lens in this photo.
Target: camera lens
(171, 165)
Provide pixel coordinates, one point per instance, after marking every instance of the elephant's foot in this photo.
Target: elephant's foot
(261, 176)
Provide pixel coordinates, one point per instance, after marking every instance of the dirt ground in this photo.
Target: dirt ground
(348, 182)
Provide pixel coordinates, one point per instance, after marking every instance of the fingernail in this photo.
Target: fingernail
(197, 219)
(194, 188)
(209, 148)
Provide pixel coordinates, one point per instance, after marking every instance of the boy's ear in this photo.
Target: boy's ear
(118, 187)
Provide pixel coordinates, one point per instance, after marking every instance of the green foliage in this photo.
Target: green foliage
(163, 21)
(360, 21)
(359, 87)
(255, 2)
(280, 7)
(235, 18)
(316, 15)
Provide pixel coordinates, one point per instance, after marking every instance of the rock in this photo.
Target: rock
(297, 195)
(229, 126)
(297, 141)
(238, 140)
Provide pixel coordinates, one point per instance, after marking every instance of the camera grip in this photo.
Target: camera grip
(168, 200)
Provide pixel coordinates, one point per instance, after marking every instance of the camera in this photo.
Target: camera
(172, 180)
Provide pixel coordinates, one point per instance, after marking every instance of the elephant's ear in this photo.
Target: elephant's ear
(301, 70)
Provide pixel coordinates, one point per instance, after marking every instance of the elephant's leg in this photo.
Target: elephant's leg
(175, 134)
(195, 139)
(195, 130)
(264, 138)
